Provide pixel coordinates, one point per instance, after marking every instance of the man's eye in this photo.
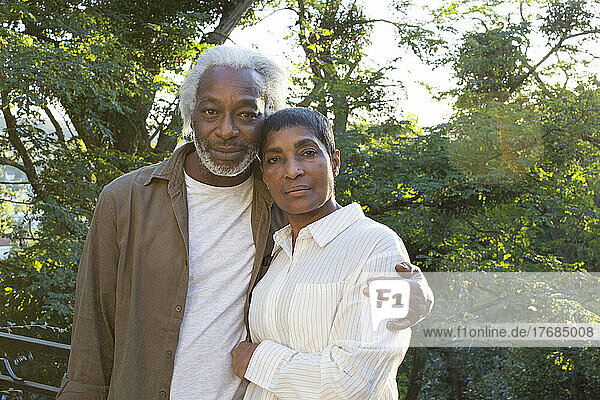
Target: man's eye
(209, 112)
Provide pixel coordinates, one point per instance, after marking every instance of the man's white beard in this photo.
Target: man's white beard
(220, 170)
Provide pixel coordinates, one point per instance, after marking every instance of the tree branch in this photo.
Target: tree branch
(533, 69)
(228, 21)
(57, 127)
(315, 67)
(17, 202)
(314, 93)
(6, 161)
(591, 140)
(490, 232)
(38, 35)
(398, 203)
(159, 128)
(15, 140)
(553, 50)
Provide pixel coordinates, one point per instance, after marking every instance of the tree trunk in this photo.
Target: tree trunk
(80, 125)
(416, 375)
(129, 129)
(340, 112)
(167, 138)
(452, 376)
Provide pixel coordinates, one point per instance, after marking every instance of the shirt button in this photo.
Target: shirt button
(162, 394)
(178, 308)
(169, 353)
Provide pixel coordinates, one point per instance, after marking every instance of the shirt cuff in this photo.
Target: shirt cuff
(265, 362)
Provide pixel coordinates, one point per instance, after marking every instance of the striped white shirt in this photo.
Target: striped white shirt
(312, 320)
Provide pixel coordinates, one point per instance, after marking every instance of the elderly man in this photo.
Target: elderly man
(174, 249)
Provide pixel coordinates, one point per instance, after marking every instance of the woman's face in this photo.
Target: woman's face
(298, 171)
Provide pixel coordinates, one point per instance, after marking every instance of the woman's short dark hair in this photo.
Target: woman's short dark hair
(312, 120)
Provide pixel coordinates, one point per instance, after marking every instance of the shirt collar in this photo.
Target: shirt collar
(323, 230)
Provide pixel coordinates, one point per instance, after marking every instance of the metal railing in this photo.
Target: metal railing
(16, 343)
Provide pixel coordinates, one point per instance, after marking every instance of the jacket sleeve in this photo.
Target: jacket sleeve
(92, 339)
(357, 362)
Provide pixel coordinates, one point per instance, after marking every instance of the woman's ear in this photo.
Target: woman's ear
(335, 162)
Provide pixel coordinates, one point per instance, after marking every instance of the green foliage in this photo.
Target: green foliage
(504, 373)
(334, 77)
(565, 17)
(491, 63)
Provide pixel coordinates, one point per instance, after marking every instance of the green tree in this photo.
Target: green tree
(334, 77)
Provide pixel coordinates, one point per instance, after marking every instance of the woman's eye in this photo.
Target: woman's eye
(272, 160)
(309, 153)
(249, 114)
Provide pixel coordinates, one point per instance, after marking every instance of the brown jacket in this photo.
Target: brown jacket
(132, 283)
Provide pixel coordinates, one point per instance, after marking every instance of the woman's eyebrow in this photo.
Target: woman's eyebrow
(297, 145)
(303, 142)
(274, 150)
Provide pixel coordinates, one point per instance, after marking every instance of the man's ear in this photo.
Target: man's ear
(335, 162)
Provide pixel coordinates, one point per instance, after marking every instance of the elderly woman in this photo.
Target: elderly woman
(309, 320)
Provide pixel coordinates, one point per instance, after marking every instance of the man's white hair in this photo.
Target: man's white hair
(274, 80)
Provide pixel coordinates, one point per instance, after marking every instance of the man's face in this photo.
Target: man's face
(227, 120)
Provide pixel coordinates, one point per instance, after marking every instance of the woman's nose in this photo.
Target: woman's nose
(293, 169)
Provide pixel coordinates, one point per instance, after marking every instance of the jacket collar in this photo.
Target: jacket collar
(170, 168)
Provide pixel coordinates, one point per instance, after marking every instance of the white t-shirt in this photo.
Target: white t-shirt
(221, 256)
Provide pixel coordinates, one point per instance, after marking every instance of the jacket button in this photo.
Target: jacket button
(162, 394)
(178, 308)
(169, 353)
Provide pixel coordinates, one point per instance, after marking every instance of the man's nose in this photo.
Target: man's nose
(293, 169)
(228, 129)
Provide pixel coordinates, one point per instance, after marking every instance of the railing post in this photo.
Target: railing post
(19, 343)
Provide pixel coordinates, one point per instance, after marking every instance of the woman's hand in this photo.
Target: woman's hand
(241, 355)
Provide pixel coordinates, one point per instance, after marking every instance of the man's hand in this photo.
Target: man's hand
(241, 355)
(421, 297)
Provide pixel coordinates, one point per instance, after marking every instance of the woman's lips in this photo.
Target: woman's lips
(297, 190)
